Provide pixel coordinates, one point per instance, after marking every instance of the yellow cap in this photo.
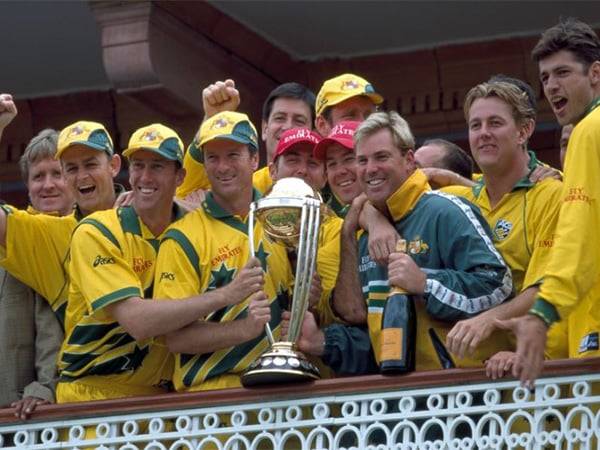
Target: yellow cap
(90, 134)
(343, 87)
(156, 138)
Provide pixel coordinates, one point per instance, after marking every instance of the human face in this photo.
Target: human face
(153, 180)
(382, 168)
(89, 174)
(431, 155)
(340, 163)
(495, 138)
(564, 142)
(47, 188)
(229, 167)
(356, 108)
(299, 162)
(287, 113)
(568, 86)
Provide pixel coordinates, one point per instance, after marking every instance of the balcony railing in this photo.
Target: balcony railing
(452, 409)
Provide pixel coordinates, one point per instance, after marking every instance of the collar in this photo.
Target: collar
(215, 210)
(338, 208)
(592, 106)
(401, 202)
(524, 182)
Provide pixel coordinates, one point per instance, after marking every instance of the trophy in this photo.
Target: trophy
(290, 215)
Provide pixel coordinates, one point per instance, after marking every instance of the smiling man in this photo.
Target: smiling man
(568, 57)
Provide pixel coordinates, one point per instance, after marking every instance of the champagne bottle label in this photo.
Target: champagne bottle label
(391, 343)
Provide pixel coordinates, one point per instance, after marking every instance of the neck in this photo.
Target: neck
(238, 206)
(501, 181)
(156, 219)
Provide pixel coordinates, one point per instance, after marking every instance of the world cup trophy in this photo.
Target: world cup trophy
(290, 215)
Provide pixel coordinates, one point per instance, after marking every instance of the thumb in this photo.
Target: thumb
(229, 83)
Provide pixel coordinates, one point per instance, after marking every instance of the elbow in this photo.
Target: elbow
(356, 317)
(177, 344)
(137, 331)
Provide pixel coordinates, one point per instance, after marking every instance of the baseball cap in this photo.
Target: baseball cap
(342, 133)
(343, 87)
(225, 125)
(156, 138)
(90, 134)
(290, 138)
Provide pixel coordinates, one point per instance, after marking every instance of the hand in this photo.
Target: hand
(220, 96)
(404, 273)
(500, 364)
(531, 342)
(26, 406)
(467, 334)
(124, 199)
(438, 178)
(311, 339)
(8, 110)
(382, 235)
(350, 224)
(542, 172)
(316, 290)
(192, 201)
(259, 314)
(249, 280)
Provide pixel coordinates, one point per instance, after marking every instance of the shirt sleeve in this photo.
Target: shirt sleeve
(98, 268)
(328, 266)
(195, 175)
(575, 258)
(177, 273)
(475, 277)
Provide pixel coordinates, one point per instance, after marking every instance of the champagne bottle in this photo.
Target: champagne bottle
(398, 329)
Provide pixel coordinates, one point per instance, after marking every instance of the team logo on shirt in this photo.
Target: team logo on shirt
(502, 229)
(589, 342)
(167, 276)
(417, 246)
(102, 260)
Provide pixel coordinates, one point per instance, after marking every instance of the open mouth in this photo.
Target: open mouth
(346, 183)
(85, 190)
(559, 103)
(375, 182)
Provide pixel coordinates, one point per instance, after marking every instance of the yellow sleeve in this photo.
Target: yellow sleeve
(261, 180)
(328, 266)
(575, 260)
(177, 273)
(195, 176)
(99, 271)
(542, 223)
(36, 250)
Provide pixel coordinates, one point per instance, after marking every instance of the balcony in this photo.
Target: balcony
(452, 409)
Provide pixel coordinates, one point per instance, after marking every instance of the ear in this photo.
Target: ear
(254, 160)
(263, 134)
(322, 126)
(524, 132)
(180, 176)
(529, 127)
(115, 165)
(410, 157)
(273, 171)
(594, 73)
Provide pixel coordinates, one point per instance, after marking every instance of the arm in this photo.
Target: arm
(206, 337)
(438, 178)
(220, 96)
(8, 111)
(348, 301)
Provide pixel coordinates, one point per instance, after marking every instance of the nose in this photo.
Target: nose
(47, 183)
(551, 84)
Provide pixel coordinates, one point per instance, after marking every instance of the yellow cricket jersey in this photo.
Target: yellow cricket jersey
(112, 258)
(196, 178)
(328, 266)
(203, 252)
(523, 224)
(571, 283)
(36, 252)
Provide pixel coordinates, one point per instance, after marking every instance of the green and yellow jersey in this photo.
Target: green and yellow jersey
(112, 258)
(203, 252)
(36, 252)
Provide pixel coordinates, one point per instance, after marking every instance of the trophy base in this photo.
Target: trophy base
(280, 364)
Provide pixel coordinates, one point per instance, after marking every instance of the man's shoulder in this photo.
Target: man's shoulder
(443, 202)
(193, 225)
(590, 124)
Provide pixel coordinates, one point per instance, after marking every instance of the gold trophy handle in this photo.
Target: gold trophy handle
(268, 331)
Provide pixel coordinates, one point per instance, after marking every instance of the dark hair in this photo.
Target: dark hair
(525, 87)
(455, 158)
(290, 90)
(569, 34)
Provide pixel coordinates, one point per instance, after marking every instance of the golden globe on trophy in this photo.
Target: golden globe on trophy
(290, 215)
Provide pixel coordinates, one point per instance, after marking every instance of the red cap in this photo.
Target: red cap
(294, 136)
(342, 133)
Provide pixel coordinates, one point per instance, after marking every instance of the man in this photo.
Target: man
(451, 266)
(289, 105)
(108, 351)
(521, 214)
(444, 154)
(568, 57)
(205, 252)
(34, 248)
(30, 333)
(345, 97)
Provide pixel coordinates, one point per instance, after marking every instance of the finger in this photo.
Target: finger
(229, 83)
(464, 342)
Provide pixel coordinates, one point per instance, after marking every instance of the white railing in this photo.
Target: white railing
(453, 409)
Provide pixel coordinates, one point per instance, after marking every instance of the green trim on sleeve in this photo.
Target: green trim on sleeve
(121, 294)
(545, 311)
(186, 246)
(103, 229)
